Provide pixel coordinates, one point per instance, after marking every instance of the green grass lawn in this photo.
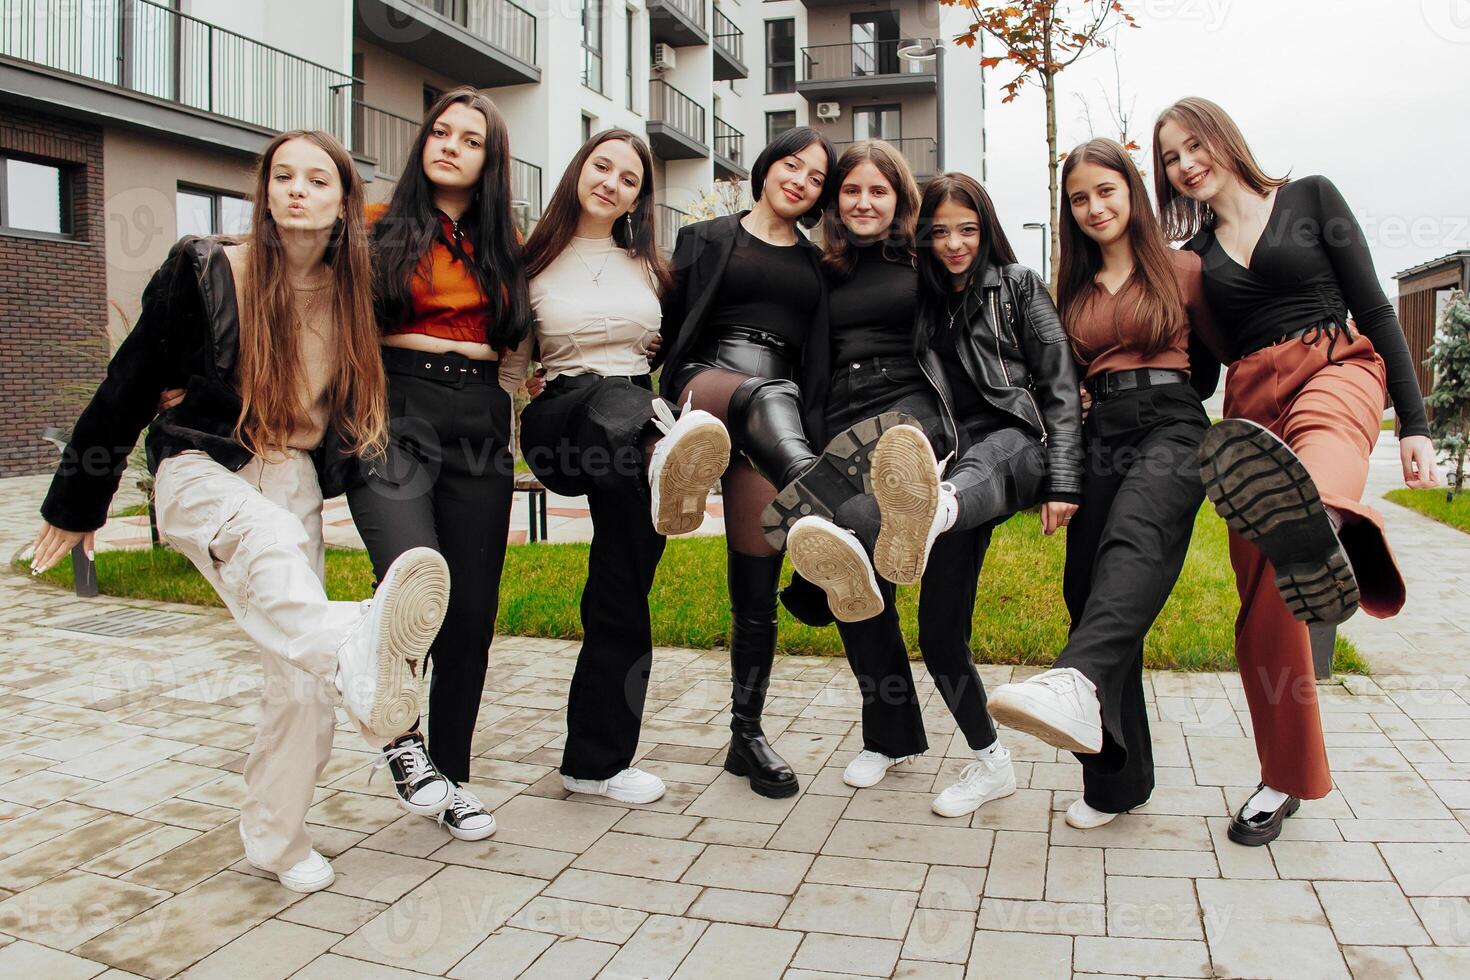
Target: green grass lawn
(1019, 615)
(1431, 503)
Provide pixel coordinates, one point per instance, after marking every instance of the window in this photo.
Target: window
(592, 44)
(876, 122)
(588, 124)
(34, 197)
(778, 122)
(205, 212)
(875, 43)
(431, 95)
(628, 16)
(780, 56)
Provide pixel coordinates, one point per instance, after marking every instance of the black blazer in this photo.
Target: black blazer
(701, 254)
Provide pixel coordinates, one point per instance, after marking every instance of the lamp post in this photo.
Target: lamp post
(920, 51)
(1045, 228)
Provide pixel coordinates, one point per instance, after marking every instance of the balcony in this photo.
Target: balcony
(865, 68)
(525, 193)
(136, 63)
(729, 158)
(675, 123)
(729, 50)
(921, 152)
(670, 220)
(677, 22)
(484, 43)
(383, 137)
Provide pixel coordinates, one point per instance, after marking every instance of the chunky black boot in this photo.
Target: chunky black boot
(753, 582)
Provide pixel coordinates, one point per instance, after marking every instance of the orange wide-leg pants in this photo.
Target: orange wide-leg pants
(1329, 414)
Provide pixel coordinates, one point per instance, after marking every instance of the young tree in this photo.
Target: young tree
(1449, 359)
(1041, 39)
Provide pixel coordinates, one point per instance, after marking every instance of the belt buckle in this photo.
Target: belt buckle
(454, 370)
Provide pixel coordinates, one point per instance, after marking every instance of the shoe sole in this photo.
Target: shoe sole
(907, 488)
(762, 787)
(826, 559)
(414, 597)
(432, 810)
(458, 834)
(1007, 791)
(624, 797)
(1265, 494)
(692, 469)
(301, 888)
(843, 471)
(1257, 838)
(1033, 719)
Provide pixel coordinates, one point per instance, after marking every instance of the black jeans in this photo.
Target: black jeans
(446, 485)
(560, 430)
(1125, 548)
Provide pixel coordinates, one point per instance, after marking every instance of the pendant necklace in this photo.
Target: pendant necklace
(596, 276)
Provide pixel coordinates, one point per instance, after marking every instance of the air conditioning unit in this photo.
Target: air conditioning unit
(828, 111)
(663, 57)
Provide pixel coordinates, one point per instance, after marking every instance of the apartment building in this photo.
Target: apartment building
(126, 123)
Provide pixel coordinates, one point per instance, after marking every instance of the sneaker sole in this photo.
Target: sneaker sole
(1265, 494)
(826, 559)
(414, 597)
(991, 798)
(1080, 825)
(907, 488)
(300, 887)
(1033, 719)
(843, 471)
(625, 797)
(430, 810)
(692, 469)
(458, 834)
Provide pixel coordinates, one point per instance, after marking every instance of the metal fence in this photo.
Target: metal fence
(862, 59)
(671, 107)
(507, 26)
(525, 186)
(729, 37)
(670, 220)
(148, 48)
(729, 142)
(693, 10)
(384, 136)
(921, 152)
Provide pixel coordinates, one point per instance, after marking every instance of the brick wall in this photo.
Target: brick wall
(53, 297)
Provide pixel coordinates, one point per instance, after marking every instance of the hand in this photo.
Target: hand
(1086, 400)
(536, 383)
(653, 346)
(1055, 514)
(1417, 455)
(170, 398)
(53, 544)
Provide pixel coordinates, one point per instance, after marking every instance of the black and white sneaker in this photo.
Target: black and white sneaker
(420, 787)
(1265, 494)
(467, 818)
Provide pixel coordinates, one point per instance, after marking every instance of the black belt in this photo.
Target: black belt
(451, 369)
(763, 338)
(1116, 382)
(881, 362)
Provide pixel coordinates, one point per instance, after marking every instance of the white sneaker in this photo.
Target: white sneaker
(380, 663)
(1084, 817)
(311, 874)
(869, 768)
(911, 512)
(980, 782)
(466, 818)
(629, 786)
(420, 787)
(1058, 706)
(687, 462)
(833, 558)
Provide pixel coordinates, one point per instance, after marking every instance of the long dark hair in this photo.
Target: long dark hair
(839, 254)
(558, 225)
(1159, 303)
(790, 143)
(404, 234)
(1183, 217)
(995, 248)
(270, 365)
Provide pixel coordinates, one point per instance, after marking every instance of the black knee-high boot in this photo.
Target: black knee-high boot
(765, 421)
(753, 583)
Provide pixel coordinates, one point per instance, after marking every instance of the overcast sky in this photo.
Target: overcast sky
(1379, 104)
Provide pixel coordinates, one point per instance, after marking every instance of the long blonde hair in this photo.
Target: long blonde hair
(1184, 217)
(270, 369)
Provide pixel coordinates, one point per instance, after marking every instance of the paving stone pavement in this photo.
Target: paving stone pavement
(120, 788)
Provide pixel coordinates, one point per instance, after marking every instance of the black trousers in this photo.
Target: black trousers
(446, 484)
(1125, 548)
(583, 434)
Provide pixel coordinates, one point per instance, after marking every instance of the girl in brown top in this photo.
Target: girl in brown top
(1135, 314)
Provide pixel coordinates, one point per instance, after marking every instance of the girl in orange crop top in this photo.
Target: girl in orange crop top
(450, 293)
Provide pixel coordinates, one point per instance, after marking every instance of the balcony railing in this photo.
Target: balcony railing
(384, 136)
(692, 10)
(861, 59)
(676, 110)
(147, 48)
(525, 192)
(921, 152)
(729, 37)
(670, 220)
(505, 25)
(729, 142)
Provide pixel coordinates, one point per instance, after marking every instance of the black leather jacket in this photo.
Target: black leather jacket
(187, 336)
(1016, 353)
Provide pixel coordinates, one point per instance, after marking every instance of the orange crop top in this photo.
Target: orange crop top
(447, 302)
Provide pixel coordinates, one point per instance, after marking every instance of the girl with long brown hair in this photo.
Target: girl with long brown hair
(274, 343)
(451, 297)
(597, 429)
(1136, 317)
(1316, 347)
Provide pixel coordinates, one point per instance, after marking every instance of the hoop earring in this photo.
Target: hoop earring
(629, 218)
